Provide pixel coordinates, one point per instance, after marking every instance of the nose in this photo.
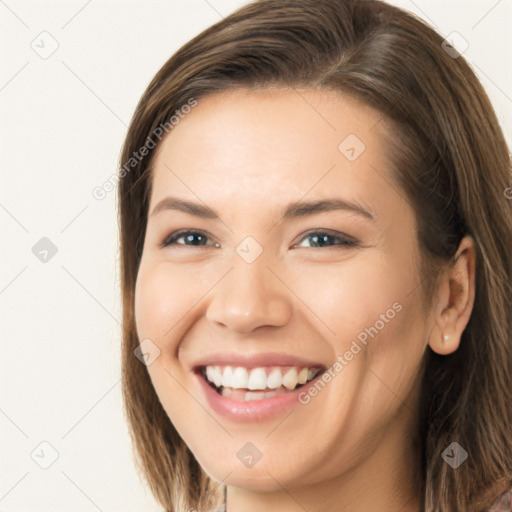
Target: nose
(250, 296)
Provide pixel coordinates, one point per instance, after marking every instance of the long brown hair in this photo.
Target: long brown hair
(448, 155)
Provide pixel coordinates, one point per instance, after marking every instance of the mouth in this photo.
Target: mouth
(244, 384)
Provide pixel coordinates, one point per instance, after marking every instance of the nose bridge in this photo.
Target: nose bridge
(249, 296)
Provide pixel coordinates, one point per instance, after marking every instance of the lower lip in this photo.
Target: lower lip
(253, 410)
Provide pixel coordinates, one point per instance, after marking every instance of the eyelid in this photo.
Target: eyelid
(326, 231)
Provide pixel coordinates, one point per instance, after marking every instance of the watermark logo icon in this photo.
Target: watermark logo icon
(44, 250)
(249, 455)
(454, 45)
(44, 455)
(45, 45)
(249, 249)
(351, 147)
(147, 352)
(454, 455)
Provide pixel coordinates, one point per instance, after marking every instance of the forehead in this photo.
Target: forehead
(250, 146)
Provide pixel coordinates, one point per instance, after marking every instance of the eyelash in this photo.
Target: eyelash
(344, 241)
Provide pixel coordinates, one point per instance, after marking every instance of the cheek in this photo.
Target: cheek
(389, 327)
(163, 297)
(355, 299)
(371, 314)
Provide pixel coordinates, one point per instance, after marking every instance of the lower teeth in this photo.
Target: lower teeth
(248, 396)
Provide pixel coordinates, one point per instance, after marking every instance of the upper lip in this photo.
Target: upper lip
(254, 360)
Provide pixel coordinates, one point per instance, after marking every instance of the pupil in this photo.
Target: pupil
(191, 238)
(319, 240)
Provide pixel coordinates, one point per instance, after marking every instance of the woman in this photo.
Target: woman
(315, 238)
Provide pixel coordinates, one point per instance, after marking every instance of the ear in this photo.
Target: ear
(455, 299)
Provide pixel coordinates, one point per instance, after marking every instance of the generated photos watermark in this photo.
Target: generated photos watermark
(305, 397)
(101, 191)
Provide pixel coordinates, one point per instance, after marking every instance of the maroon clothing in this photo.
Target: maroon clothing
(503, 503)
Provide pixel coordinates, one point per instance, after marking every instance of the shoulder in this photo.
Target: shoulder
(503, 503)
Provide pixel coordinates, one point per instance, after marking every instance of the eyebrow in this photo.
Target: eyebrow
(293, 210)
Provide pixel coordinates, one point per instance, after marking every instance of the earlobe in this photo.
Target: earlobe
(456, 293)
(444, 337)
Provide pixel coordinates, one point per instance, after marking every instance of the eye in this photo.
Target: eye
(323, 238)
(319, 238)
(191, 239)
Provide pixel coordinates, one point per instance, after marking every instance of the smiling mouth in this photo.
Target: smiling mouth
(248, 384)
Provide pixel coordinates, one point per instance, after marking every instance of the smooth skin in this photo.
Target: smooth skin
(247, 155)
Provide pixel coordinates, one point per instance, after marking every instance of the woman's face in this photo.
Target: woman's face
(300, 255)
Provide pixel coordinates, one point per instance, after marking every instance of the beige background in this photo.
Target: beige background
(64, 115)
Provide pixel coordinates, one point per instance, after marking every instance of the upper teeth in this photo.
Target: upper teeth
(261, 378)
